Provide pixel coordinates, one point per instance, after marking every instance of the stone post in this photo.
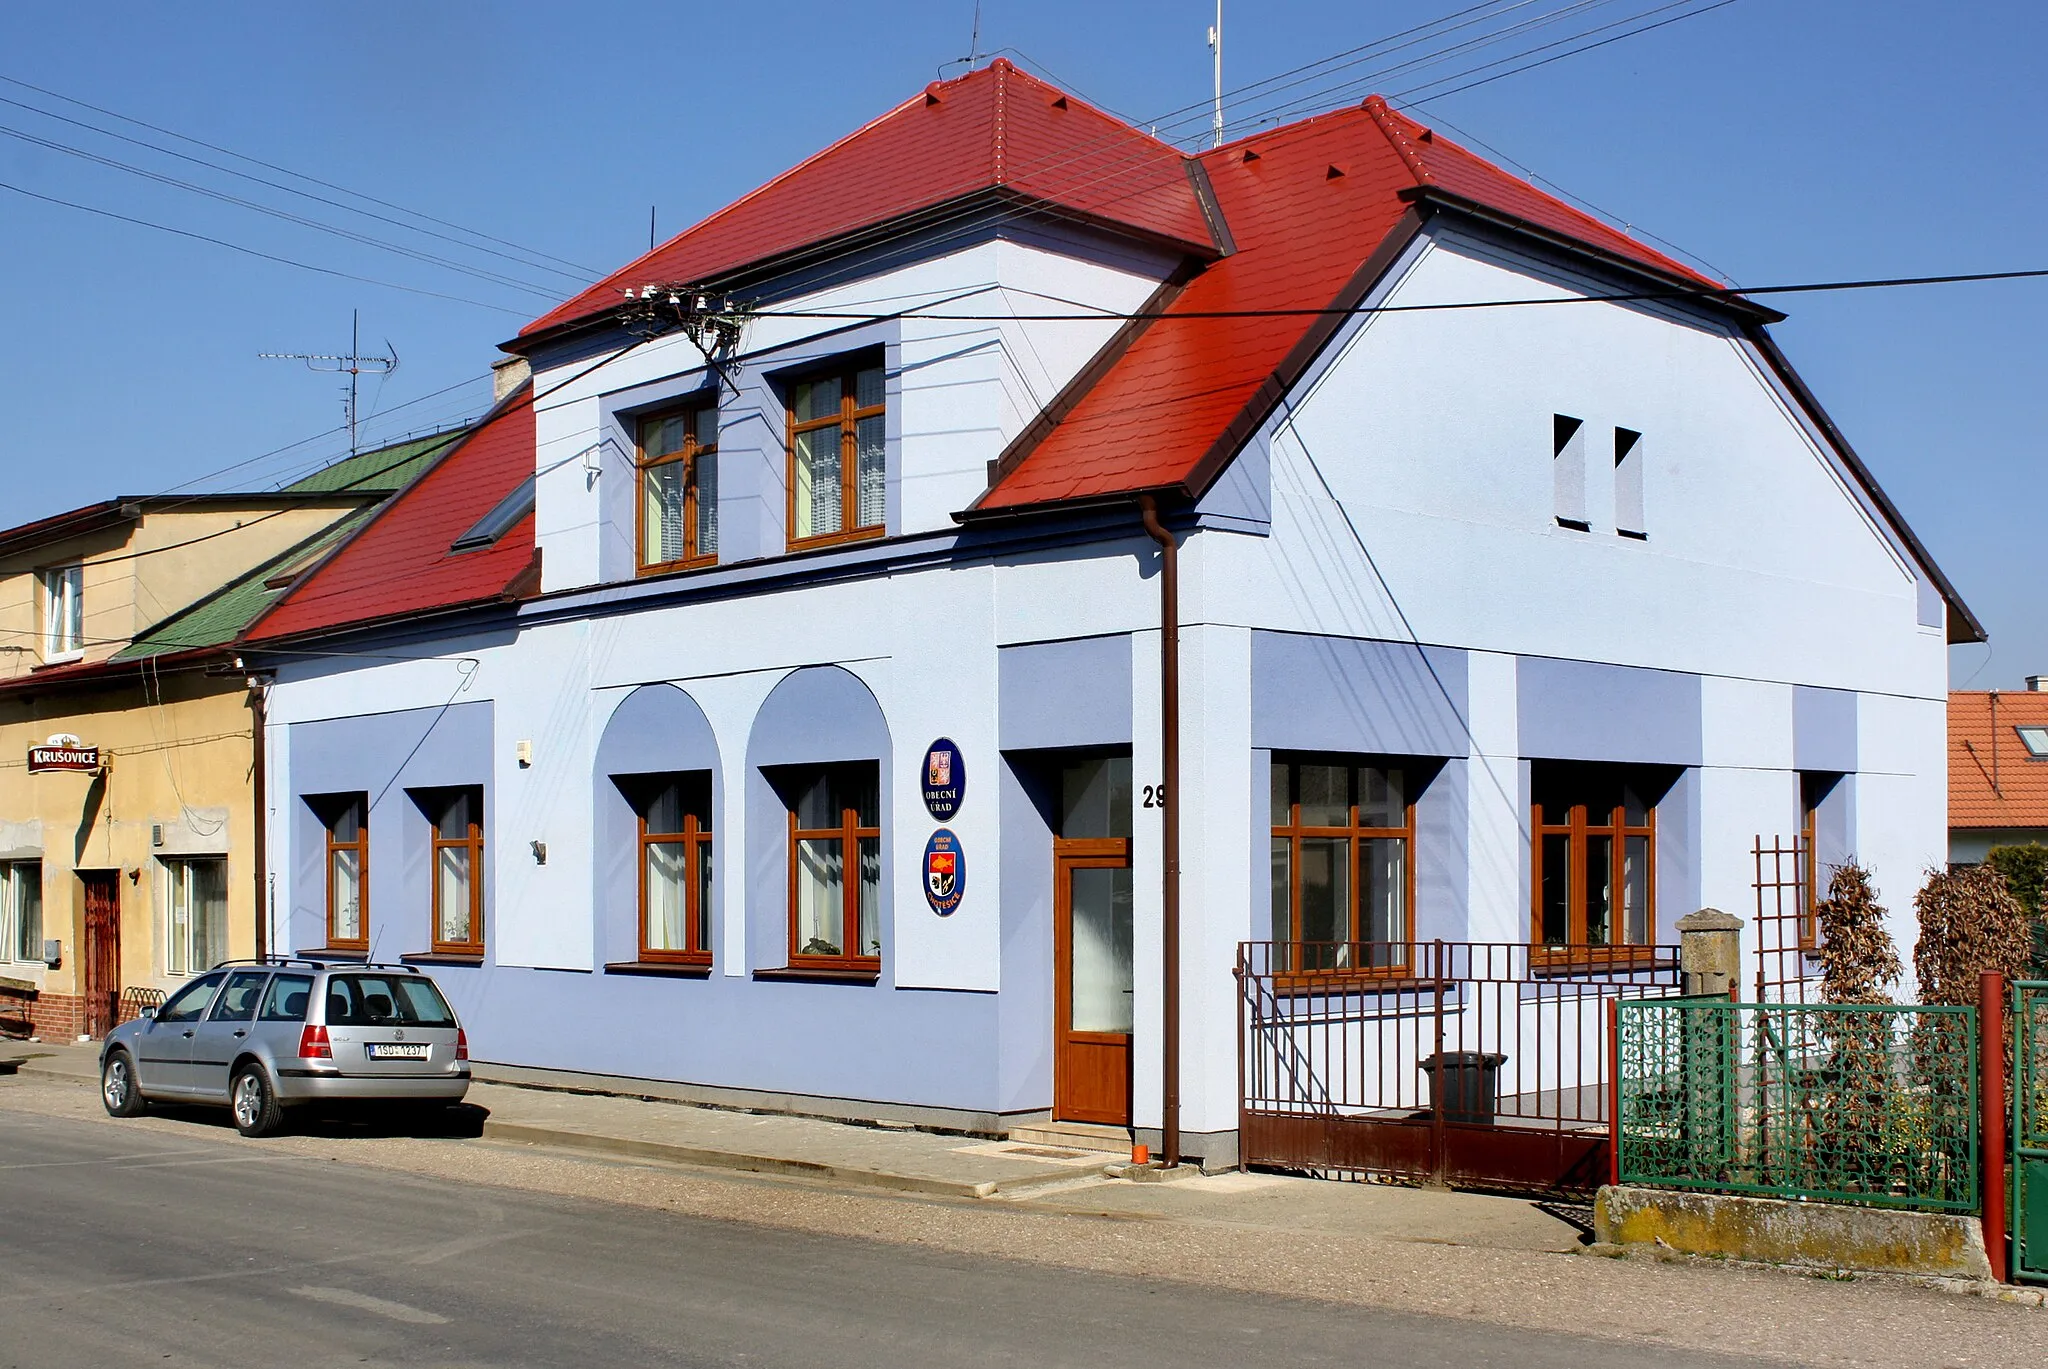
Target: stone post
(1709, 954)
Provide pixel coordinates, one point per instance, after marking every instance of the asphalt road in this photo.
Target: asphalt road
(131, 1247)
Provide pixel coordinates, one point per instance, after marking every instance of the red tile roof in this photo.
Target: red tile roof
(400, 564)
(996, 128)
(1979, 752)
(1307, 206)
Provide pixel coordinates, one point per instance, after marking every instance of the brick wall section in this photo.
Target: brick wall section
(51, 1016)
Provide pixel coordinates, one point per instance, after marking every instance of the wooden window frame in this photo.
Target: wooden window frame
(692, 558)
(1812, 794)
(847, 371)
(59, 597)
(361, 846)
(850, 833)
(695, 838)
(1294, 830)
(473, 842)
(1577, 828)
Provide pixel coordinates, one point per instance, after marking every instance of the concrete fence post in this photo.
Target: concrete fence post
(1709, 954)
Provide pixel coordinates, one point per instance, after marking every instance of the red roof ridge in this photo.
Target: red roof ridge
(1382, 115)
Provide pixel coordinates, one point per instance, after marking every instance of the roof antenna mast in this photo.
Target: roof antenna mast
(352, 365)
(974, 37)
(1216, 51)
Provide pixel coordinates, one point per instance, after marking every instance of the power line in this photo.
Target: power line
(287, 171)
(253, 252)
(416, 254)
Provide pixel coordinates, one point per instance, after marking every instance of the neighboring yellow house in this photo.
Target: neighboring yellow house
(128, 844)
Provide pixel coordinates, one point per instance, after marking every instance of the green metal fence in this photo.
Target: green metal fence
(2030, 1132)
(1836, 1102)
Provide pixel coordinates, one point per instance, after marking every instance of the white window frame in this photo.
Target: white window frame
(182, 935)
(17, 876)
(64, 612)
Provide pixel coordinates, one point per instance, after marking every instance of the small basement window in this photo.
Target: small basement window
(2035, 739)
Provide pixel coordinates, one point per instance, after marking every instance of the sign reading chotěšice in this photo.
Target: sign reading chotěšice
(82, 759)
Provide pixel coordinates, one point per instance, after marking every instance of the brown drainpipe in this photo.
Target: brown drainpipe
(1169, 806)
(259, 712)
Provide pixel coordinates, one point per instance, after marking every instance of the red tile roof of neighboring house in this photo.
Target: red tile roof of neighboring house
(994, 129)
(400, 564)
(1992, 780)
(1307, 205)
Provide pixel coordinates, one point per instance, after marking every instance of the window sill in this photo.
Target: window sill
(676, 567)
(835, 539)
(822, 974)
(333, 953)
(671, 969)
(1581, 960)
(443, 958)
(1296, 983)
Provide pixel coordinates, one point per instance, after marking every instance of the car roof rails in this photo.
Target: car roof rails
(266, 960)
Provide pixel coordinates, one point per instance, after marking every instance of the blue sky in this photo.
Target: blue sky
(1779, 140)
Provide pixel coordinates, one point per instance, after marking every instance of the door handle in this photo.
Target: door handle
(239, 1032)
(187, 1034)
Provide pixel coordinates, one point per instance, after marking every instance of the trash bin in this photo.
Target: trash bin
(1468, 1082)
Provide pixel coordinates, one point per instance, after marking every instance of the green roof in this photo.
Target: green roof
(382, 471)
(220, 617)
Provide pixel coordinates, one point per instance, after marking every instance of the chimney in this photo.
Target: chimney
(508, 375)
(2037, 684)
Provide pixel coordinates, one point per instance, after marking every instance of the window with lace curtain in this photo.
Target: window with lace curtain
(838, 465)
(679, 488)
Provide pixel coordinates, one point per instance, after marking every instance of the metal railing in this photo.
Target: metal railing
(1851, 1103)
(1366, 1057)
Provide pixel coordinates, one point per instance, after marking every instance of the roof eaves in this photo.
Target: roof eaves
(1680, 288)
(1781, 366)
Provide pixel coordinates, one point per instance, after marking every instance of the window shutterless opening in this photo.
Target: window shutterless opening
(63, 612)
(345, 818)
(835, 865)
(675, 863)
(1343, 867)
(838, 453)
(196, 913)
(455, 817)
(678, 476)
(1593, 860)
(1568, 472)
(21, 910)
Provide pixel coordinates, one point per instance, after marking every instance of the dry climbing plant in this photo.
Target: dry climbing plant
(1858, 959)
(1970, 922)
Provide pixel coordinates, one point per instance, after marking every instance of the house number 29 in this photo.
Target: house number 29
(1155, 796)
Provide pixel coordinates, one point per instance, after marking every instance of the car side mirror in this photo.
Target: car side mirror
(148, 1014)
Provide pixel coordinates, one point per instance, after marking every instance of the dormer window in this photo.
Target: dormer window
(63, 612)
(837, 456)
(679, 489)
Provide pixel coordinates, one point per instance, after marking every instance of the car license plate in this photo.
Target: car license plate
(397, 1050)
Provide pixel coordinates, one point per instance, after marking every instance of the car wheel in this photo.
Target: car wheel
(254, 1101)
(117, 1086)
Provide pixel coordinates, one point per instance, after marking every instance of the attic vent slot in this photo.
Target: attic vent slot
(1334, 172)
(1250, 155)
(1628, 483)
(504, 517)
(1568, 472)
(1059, 102)
(1426, 136)
(930, 99)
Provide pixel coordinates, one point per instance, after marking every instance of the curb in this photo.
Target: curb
(703, 1158)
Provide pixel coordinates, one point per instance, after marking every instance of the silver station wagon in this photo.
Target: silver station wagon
(265, 1036)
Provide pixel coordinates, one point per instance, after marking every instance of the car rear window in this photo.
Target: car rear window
(286, 1001)
(362, 1000)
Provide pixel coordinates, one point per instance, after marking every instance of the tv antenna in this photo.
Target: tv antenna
(1216, 50)
(353, 365)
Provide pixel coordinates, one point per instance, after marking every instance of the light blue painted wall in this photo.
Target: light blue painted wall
(1823, 729)
(1585, 710)
(1318, 693)
(387, 755)
(1067, 693)
(1029, 818)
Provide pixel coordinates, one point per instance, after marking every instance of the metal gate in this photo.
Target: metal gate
(2030, 1132)
(1481, 1065)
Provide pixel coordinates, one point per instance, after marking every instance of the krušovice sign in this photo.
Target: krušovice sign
(79, 759)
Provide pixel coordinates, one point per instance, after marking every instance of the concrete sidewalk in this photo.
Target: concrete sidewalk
(888, 1159)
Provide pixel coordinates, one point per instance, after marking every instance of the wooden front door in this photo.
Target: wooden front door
(102, 948)
(1092, 980)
